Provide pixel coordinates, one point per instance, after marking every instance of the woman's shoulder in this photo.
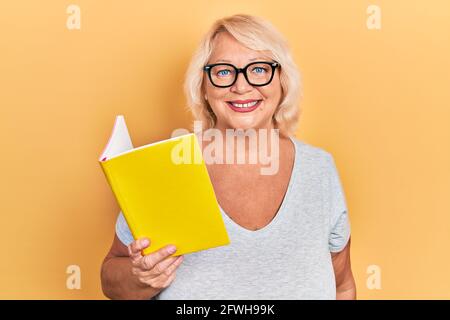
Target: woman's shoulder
(310, 151)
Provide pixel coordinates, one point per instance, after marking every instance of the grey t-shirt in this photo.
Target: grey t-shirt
(287, 259)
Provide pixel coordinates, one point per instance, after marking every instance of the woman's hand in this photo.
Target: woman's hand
(156, 270)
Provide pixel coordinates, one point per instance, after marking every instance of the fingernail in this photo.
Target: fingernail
(145, 242)
(172, 249)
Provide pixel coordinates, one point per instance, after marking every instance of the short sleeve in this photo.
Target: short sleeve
(122, 230)
(339, 220)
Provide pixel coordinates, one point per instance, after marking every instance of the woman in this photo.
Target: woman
(289, 231)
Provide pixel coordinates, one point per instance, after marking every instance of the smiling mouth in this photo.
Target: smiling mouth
(244, 106)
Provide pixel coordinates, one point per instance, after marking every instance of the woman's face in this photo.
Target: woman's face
(228, 50)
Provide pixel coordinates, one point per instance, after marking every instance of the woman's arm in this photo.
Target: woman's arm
(345, 283)
(126, 274)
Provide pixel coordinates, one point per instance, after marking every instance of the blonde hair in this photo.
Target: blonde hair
(257, 34)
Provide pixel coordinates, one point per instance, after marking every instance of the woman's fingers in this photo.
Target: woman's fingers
(160, 282)
(172, 267)
(157, 269)
(169, 280)
(148, 262)
(135, 248)
(166, 267)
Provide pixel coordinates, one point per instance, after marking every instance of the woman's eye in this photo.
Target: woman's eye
(259, 70)
(223, 73)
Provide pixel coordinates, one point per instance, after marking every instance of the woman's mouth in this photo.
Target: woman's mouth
(244, 105)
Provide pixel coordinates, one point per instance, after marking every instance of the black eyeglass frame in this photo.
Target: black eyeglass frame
(274, 65)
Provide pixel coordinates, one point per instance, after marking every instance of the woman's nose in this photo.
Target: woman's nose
(241, 85)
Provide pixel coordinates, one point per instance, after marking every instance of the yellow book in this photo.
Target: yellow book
(164, 191)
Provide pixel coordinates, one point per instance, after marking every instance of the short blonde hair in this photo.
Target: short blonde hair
(257, 34)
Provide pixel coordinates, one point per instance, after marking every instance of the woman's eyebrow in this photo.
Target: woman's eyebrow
(253, 59)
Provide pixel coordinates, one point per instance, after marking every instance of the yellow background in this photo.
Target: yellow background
(378, 100)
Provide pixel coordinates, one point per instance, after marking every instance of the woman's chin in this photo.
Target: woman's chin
(245, 124)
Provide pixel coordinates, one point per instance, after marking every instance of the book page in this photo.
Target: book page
(119, 141)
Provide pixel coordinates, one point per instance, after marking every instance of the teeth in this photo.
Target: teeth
(244, 105)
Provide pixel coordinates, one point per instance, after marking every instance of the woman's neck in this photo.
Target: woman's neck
(252, 146)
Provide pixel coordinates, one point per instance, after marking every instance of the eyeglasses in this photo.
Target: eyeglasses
(224, 75)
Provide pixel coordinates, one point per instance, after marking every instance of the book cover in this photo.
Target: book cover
(164, 191)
